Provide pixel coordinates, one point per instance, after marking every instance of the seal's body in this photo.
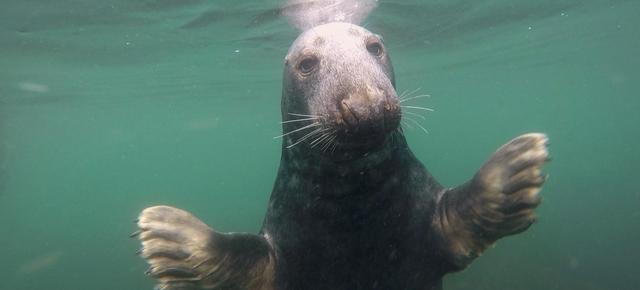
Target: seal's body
(351, 208)
(356, 228)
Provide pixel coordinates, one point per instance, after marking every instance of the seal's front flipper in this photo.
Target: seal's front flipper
(498, 201)
(184, 253)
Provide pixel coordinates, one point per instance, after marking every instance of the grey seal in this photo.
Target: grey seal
(351, 207)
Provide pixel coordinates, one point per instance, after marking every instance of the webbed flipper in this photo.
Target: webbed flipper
(498, 201)
(185, 254)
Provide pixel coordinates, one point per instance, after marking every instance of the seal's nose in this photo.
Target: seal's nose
(369, 111)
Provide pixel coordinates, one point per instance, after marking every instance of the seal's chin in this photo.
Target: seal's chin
(371, 138)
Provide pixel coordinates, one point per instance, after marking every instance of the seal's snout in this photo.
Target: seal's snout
(370, 111)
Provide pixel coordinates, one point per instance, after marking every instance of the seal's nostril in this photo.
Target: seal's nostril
(348, 115)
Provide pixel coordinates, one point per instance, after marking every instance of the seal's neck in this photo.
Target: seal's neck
(312, 189)
(332, 195)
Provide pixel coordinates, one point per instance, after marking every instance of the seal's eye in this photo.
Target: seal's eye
(308, 65)
(375, 48)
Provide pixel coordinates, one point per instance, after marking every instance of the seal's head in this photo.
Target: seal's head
(339, 84)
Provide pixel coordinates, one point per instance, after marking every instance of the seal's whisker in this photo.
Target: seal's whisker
(400, 131)
(303, 115)
(331, 134)
(392, 137)
(408, 94)
(328, 135)
(414, 97)
(298, 120)
(402, 94)
(316, 131)
(305, 137)
(334, 146)
(418, 124)
(418, 108)
(314, 124)
(415, 114)
(404, 123)
(320, 139)
(315, 141)
(327, 142)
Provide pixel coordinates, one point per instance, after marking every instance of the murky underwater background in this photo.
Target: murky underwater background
(107, 107)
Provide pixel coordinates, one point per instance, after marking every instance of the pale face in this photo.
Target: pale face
(341, 75)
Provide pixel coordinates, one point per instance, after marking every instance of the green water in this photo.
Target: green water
(107, 107)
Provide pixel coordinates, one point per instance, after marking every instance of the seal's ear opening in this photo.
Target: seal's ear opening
(306, 14)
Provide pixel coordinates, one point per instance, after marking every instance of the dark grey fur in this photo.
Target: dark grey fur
(357, 211)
